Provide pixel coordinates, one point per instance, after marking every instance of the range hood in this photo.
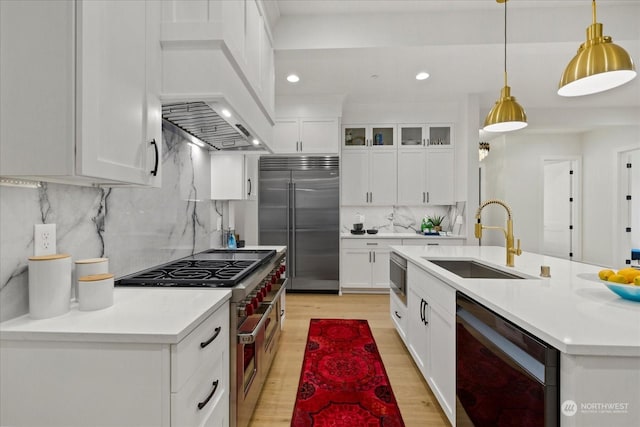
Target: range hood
(204, 122)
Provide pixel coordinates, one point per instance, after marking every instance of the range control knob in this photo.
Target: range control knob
(248, 309)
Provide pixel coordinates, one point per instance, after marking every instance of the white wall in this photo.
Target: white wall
(514, 174)
(600, 210)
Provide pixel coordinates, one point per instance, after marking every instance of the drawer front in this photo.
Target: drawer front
(440, 293)
(432, 242)
(200, 399)
(198, 348)
(398, 313)
(369, 243)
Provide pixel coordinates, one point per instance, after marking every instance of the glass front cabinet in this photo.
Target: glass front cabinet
(434, 136)
(374, 136)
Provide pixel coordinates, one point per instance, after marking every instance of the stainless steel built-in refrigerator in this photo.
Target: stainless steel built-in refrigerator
(299, 206)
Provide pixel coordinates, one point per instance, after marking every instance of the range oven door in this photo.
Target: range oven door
(398, 276)
(504, 376)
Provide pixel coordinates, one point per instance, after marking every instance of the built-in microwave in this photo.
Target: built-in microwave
(398, 276)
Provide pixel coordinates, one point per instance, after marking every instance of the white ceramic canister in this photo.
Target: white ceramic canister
(88, 267)
(49, 285)
(95, 292)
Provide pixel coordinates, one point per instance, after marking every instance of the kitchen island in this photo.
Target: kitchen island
(597, 332)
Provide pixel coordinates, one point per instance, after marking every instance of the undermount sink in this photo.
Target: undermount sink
(469, 269)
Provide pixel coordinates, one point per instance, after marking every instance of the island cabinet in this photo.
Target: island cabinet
(306, 136)
(81, 105)
(67, 378)
(364, 264)
(431, 306)
(398, 311)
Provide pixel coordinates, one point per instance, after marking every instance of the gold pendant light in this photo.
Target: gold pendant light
(506, 115)
(599, 65)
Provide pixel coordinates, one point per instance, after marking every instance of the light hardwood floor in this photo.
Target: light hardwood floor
(417, 404)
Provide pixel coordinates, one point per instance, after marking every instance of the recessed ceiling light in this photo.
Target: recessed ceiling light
(422, 75)
(374, 76)
(255, 142)
(293, 78)
(226, 112)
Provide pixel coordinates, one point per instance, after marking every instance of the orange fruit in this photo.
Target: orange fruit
(629, 273)
(617, 278)
(604, 274)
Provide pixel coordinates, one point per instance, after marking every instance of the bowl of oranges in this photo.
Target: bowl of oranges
(624, 282)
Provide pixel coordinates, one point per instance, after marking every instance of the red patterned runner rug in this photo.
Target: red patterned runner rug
(343, 381)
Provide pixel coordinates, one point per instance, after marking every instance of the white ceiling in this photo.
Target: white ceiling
(337, 46)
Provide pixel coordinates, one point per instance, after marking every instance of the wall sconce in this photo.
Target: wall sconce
(483, 150)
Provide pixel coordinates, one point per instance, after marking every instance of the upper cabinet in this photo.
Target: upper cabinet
(82, 107)
(433, 136)
(426, 165)
(306, 135)
(363, 136)
(234, 176)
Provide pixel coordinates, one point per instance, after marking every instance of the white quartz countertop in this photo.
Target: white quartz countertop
(572, 310)
(382, 235)
(149, 315)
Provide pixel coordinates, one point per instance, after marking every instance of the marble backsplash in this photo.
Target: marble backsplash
(134, 227)
(400, 219)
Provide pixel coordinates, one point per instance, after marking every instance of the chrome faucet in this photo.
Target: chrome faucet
(508, 233)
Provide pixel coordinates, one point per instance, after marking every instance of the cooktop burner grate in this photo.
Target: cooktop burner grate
(213, 268)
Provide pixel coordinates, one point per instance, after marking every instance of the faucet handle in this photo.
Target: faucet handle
(518, 251)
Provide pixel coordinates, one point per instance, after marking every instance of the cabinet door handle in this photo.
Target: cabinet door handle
(369, 257)
(300, 146)
(421, 310)
(154, 172)
(371, 197)
(433, 244)
(424, 197)
(372, 244)
(374, 257)
(397, 315)
(425, 313)
(204, 402)
(210, 340)
(249, 192)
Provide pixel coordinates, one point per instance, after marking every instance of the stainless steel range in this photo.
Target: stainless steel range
(257, 282)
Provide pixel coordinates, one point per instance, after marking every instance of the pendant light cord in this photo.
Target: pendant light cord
(505, 42)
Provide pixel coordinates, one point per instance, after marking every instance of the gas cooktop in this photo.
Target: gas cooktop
(212, 268)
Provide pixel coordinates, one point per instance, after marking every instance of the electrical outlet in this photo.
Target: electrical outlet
(44, 239)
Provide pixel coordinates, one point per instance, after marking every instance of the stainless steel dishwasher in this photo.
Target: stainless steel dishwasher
(504, 375)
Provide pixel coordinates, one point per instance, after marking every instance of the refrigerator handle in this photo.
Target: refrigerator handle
(290, 254)
(293, 228)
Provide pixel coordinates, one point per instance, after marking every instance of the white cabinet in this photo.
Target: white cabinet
(398, 311)
(364, 263)
(234, 177)
(373, 136)
(431, 335)
(306, 135)
(79, 382)
(426, 176)
(82, 107)
(368, 177)
(426, 165)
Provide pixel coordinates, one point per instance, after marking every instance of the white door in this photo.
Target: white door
(285, 136)
(251, 177)
(411, 177)
(355, 177)
(629, 207)
(558, 208)
(440, 177)
(380, 270)
(112, 91)
(383, 177)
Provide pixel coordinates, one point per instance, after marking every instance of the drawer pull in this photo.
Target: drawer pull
(210, 340)
(397, 315)
(204, 402)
